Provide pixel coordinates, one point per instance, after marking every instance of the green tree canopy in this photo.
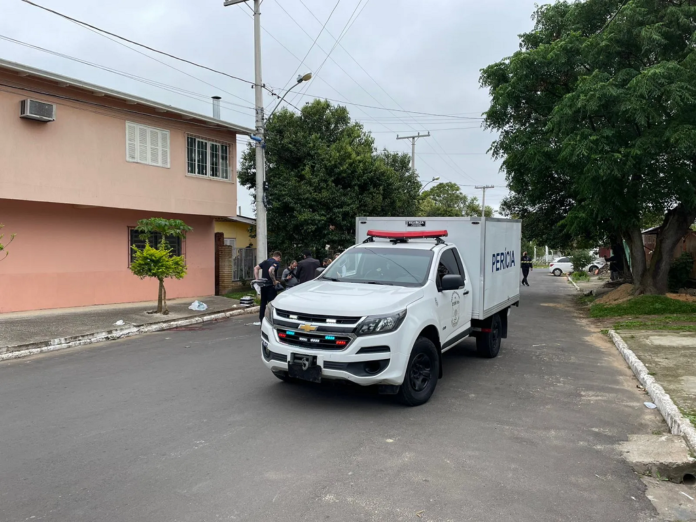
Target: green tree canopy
(597, 129)
(323, 171)
(447, 200)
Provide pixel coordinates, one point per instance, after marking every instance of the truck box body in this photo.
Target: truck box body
(490, 249)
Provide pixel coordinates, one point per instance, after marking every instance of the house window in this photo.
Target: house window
(155, 238)
(147, 145)
(208, 158)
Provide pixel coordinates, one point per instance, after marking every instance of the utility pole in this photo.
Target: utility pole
(483, 202)
(413, 146)
(261, 227)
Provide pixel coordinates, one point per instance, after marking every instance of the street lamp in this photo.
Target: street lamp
(300, 78)
(437, 178)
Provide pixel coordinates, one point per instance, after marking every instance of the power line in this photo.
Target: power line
(85, 24)
(171, 88)
(312, 46)
(343, 32)
(438, 130)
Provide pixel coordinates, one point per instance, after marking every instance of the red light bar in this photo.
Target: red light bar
(432, 234)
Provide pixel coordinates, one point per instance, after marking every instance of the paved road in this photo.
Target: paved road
(189, 426)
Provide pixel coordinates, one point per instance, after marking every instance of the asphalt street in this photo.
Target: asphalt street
(189, 425)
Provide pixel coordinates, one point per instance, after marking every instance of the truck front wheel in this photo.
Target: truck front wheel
(488, 341)
(421, 373)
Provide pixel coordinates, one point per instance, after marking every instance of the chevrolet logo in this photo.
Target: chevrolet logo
(308, 328)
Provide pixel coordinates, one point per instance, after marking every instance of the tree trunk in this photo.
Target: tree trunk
(655, 279)
(634, 238)
(160, 296)
(165, 309)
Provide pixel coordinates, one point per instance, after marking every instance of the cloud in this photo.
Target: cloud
(425, 55)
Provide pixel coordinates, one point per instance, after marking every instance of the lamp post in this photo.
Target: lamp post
(261, 227)
(300, 79)
(437, 178)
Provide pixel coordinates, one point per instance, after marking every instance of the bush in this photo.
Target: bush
(580, 259)
(680, 271)
(580, 276)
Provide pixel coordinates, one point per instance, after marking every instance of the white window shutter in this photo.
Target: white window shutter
(142, 144)
(154, 147)
(164, 145)
(131, 145)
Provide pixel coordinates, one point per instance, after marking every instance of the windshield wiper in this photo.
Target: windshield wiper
(377, 283)
(332, 279)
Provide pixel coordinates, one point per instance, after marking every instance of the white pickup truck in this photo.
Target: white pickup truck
(387, 309)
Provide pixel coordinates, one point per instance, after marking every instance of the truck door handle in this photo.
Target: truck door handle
(465, 292)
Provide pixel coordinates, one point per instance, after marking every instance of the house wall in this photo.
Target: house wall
(238, 231)
(65, 256)
(80, 158)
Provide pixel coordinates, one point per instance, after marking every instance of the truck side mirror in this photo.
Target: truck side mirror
(318, 271)
(452, 282)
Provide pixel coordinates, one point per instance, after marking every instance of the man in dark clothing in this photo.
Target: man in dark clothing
(526, 268)
(306, 269)
(267, 270)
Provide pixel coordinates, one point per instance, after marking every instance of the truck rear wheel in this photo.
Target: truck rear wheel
(488, 342)
(421, 373)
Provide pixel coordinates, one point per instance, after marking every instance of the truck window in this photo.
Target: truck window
(389, 266)
(448, 265)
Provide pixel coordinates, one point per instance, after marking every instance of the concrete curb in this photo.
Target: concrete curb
(573, 283)
(25, 350)
(678, 424)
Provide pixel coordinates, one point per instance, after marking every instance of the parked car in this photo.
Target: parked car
(596, 265)
(560, 266)
(563, 265)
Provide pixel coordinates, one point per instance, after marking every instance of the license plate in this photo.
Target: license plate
(304, 367)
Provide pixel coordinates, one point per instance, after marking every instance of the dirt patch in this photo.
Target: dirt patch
(683, 297)
(620, 295)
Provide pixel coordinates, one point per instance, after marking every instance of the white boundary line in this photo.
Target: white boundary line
(111, 335)
(678, 424)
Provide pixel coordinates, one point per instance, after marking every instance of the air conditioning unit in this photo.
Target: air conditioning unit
(37, 110)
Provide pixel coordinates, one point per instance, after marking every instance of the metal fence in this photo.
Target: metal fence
(243, 264)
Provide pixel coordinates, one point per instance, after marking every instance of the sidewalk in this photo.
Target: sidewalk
(670, 357)
(22, 328)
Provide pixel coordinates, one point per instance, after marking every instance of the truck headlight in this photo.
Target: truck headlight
(269, 313)
(377, 324)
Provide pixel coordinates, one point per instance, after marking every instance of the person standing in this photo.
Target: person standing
(526, 268)
(267, 270)
(289, 275)
(306, 269)
(327, 262)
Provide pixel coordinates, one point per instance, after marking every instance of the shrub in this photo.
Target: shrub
(580, 259)
(680, 271)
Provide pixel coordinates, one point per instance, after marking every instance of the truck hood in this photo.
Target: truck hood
(346, 299)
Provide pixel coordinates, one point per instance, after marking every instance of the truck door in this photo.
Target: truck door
(454, 306)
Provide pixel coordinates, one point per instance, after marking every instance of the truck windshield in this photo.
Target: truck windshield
(386, 266)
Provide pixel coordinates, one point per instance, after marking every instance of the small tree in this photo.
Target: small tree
(159, 262)
(580, 259)
(3, 247)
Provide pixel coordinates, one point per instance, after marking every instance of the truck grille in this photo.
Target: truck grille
(314, 341)
(317, 319)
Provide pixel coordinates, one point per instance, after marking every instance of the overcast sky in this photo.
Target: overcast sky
(421, 56)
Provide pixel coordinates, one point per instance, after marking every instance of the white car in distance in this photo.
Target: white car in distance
(563, 265)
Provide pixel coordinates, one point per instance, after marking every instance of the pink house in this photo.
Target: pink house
(79, 166)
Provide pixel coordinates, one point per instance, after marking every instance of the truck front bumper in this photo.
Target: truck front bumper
(366, 369)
